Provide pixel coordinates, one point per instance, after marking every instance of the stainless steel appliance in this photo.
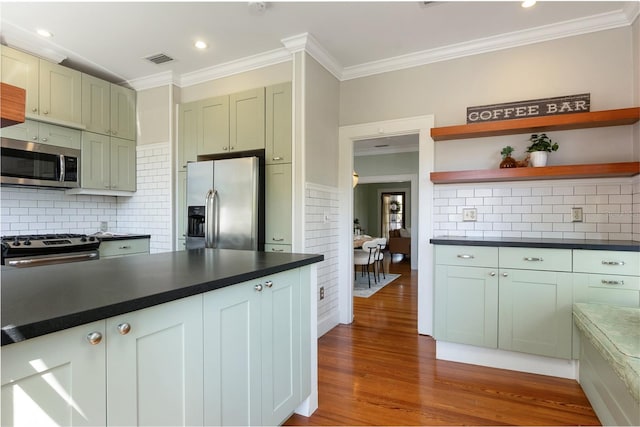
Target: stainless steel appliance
(224, 204)
(42, 165)
(44, 249)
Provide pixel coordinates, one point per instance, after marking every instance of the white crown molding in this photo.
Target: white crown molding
(19, 38)
(306, 42)
(544, 33)
(632, 11)
(242, 65)
(156, 80)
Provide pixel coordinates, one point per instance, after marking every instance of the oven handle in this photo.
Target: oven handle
(36, 261)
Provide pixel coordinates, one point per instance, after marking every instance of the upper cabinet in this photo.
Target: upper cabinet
(215, 126)
(108, 109)
(246, 120)
(53, 91)
(278, 124)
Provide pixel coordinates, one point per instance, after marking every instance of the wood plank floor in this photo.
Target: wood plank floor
(379, 371)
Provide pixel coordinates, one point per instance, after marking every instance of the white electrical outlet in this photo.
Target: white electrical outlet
(470, 214)
(576, 214)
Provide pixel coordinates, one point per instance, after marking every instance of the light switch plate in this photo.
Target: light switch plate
(470, 214)
(576, 214)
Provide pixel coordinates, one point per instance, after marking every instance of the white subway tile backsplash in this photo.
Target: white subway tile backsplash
(611, 209)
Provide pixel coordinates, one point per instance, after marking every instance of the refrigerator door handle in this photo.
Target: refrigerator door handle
(211, 219)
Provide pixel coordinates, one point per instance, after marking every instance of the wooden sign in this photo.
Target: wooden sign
(533, 108)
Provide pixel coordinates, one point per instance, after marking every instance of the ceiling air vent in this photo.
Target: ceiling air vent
(159, 58)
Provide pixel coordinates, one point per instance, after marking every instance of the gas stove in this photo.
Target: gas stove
(37, 249)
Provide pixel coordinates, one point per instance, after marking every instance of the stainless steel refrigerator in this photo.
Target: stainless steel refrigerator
(224, 204)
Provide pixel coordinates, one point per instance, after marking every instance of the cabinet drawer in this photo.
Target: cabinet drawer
(277, 248)
(472, 256)
(536, 259)
(111, 248)
(606, 262)
(607, 289)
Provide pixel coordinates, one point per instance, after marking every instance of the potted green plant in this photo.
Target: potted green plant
(507, 160)
(541, 146)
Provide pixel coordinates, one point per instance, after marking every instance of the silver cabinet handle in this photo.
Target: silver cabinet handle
(465, 256)
(277, 250)
(612, 282)
(277, 239)
(258, 287)
(124, 328)
(277, 158)
(612, 262)
(505, 274)
(492, 274)
(532, 258)
(268, 283)
(125, 247)
(94, 338)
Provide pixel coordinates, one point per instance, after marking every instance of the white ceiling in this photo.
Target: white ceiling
(352, 39)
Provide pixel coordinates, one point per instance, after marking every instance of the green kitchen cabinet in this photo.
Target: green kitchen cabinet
(255, 367)
(535, 312)
(107, 163)
(60, 93)
(466, 295)
(44, 133)
(278, 127)
(108, 109)
(278, 204)
(22, 70)
(189, 123)
(215, 126)
(246, 120)
(55, 379)
(124, 247)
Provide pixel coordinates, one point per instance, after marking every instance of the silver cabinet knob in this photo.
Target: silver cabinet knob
(268, 283)
(94, 338)
(46, 112)
(258, 287)
(115, 132)
(505, 274)
(44, 139)
(124, 328)
(232, 148)
(277, 158)
(107, 131)
(34, 110)
(225, 148)
(35, 138)
(492, 274)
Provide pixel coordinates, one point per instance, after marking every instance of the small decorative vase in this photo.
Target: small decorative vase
(508, 162)
(539, 158)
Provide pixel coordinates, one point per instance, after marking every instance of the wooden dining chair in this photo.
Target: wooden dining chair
(365, 258)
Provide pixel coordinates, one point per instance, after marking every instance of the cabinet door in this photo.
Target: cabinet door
(278, 124)
(154, 372)
(215, 126)
(96, 104)
(22, 70)
(54, 380)
(59, 135)
(123, 112)
(280, 347)
(95, 161)
(278, 204)
(535, 312)
(247, 120)
(27, 131)
(189, 130)
(123, 164)
(60, 92)
(232, 365)
(466, 305)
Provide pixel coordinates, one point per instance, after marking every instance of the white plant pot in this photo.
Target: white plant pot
(539, 158)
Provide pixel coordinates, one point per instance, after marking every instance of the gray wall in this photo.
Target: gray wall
(598, 63)
(387, 164)
(366, 199)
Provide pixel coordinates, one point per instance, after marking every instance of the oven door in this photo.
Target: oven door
(29, 163)
(34, 261)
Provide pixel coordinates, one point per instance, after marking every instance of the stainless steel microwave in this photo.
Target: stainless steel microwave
(40, 165)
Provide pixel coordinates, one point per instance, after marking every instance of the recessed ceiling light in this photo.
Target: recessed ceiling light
(528, 3)
(44, 33)
(200, 44)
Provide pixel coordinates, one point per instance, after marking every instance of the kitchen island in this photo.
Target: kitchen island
(195, 337)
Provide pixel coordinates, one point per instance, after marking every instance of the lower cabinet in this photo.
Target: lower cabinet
(252, 351)
(56, 379)
(124, 247)
(239, 355)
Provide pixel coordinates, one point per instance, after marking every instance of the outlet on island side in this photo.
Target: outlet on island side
(321, 293)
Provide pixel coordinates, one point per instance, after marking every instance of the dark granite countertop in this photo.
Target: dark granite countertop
(603, 245)
(106, 237)
(40, 300)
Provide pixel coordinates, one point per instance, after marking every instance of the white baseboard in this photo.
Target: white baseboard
(328, 323)
(502, 359)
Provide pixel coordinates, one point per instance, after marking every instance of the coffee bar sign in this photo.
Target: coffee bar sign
(526, 109)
